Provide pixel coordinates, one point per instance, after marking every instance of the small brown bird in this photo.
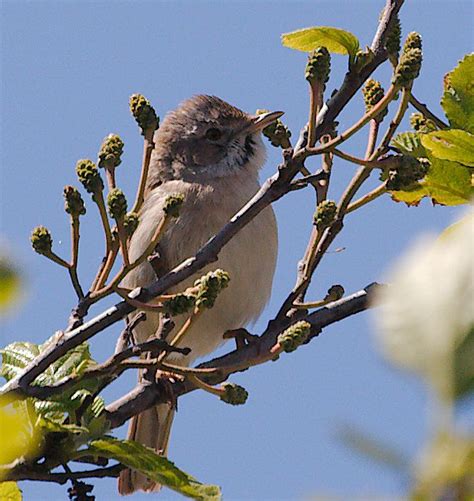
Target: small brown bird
(210, 152)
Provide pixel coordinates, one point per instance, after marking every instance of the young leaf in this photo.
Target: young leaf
(458, 97)
(409, 143)
(334, 39)
(157, 468)
(9, 491)
(452, 144)
(10, 283)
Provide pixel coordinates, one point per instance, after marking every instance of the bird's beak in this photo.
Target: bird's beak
(259, 122)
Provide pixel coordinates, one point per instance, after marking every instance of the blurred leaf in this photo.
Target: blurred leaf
(453, 144)
(409, 143)
(426, 316)
(334, 39)
(464, 366)
(458, 97)
(9, 491)
(372, 448)
(157, 468)
(9, 283)
(19, 435)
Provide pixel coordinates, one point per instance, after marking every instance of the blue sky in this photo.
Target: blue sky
(68, 68)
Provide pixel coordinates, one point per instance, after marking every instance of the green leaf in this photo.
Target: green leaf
(454, 144)
(409, 143)
(464, 366)
(334, 39)
(458, 97)
(158, 468)
(9, 491)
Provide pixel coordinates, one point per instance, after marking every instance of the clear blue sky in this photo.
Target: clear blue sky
(68, 68)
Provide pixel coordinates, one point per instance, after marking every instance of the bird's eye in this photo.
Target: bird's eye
(213, 134)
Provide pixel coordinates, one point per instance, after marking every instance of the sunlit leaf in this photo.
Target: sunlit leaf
(334, 39)
(9, 491)
(19, 435)
(155, 467)
(458, 96)
(409, 143)
(452, 144)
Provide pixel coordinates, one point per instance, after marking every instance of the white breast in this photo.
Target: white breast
(249, 258)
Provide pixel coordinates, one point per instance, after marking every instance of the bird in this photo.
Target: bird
(210, 152)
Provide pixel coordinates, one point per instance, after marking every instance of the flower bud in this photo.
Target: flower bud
(74, 204)
(408, 68)
(210, 285)
(373, 92)
(294, 336)
(420, 123)
(277, 132)
(110, 152)
(318, 66)
(173, 204)
(130, 223)
(41, 240)
(89, 176)
(392, 42)
(325, 214)
(335, 292)
(143, 113)
(413, 41)
(234, 394)
(117, 204)
(178, 304)
(408, 171)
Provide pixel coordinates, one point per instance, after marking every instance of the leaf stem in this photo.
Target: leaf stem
(148, 146)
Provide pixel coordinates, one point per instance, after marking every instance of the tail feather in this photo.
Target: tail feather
(151, 428)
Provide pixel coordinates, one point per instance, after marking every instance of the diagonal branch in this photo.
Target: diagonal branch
(147, 394)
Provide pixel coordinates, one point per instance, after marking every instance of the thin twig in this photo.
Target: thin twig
(422, 108)
(148, 146)
(369, 197)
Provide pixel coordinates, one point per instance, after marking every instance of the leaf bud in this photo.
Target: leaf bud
(318, 66)
(89, 176)
(294, 336)
(73, 202)
(41, 240)
(173, 204)
(408, 68)
(373, 92)
(234, 394)
(110, 152)
(178, 304)
(209, 287)
(325, 214)
(420, 123)
(117, 204)
(130, 223)
(144, 113)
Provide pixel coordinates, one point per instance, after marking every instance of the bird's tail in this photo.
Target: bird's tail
(151, 428)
